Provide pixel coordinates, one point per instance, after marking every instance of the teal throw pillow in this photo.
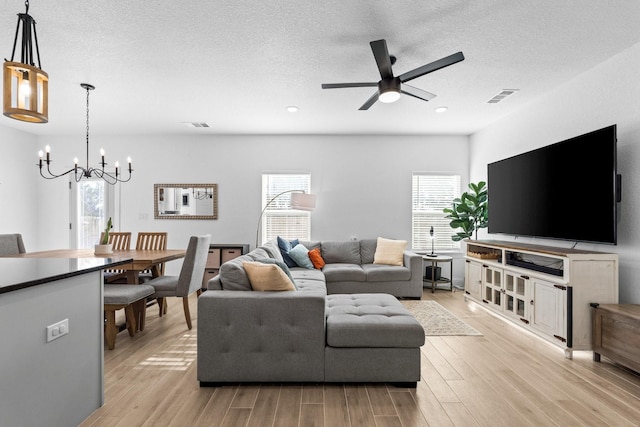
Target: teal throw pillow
(300, 254)
(282, 266)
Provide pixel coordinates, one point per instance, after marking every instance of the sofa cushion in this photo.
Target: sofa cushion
(341, 272)
(300, 255)
(370, 320)
(367, 250)
(389, 251)
(347, 252)
(285, 246)
(386, 273)
(316, 258)
(280, 264)
(267, 277)
(233, 277)
(271, 247)
(309, 280)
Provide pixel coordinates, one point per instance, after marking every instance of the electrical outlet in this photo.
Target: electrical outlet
(57, 330)
(353, 238)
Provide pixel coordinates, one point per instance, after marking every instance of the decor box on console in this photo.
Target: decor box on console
(338, 323)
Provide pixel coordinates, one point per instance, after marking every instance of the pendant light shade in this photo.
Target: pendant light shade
(25, 86)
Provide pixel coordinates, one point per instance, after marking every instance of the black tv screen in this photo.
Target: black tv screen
(567, 190)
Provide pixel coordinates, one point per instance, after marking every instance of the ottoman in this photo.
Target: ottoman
(371, 338)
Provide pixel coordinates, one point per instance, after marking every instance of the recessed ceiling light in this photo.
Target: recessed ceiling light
(441, 109)
(292, 109)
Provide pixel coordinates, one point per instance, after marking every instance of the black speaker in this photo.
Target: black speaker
(430, 272)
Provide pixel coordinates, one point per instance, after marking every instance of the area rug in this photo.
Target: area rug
(437, 320)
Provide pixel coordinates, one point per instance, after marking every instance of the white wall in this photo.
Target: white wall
(362, 183)
(607, 94)
(19, 196)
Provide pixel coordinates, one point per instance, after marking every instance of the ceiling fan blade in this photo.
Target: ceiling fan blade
(369, 102)
(429, 68)
(417, 93)
(341, 85)
(380, 52)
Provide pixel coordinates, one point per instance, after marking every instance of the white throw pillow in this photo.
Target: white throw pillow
(390, 252)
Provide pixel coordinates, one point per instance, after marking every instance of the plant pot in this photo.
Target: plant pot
(103, 249)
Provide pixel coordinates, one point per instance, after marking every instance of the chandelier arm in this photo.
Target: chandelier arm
(35, 39)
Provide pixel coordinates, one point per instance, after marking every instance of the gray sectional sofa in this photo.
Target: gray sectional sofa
(341, 324)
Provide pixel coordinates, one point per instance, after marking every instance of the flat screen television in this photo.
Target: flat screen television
(568, 190)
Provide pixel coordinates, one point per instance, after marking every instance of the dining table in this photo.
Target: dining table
(138, 260)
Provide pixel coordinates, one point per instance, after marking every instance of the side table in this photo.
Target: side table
(434, 280)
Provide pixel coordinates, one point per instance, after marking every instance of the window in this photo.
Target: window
(279, 219)
(91, 207)
(430, 194)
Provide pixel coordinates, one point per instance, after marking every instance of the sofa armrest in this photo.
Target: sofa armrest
(413, 261)
(261, 336)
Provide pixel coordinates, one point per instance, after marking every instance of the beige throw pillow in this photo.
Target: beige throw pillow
(390, 252)
(267, 277)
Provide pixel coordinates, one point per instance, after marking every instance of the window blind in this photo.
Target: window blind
(430, 194)
(279, 219)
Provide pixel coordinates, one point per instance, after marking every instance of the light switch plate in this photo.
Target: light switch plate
(57, 330)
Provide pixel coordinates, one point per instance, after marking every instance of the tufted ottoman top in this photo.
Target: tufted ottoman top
(370, 320)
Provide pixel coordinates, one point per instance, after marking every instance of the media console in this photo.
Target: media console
(546, 290)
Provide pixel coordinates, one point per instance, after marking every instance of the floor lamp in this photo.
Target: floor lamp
(300, 201)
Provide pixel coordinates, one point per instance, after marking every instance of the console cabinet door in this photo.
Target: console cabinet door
(548, 314)
(516, 294)
(473, 279)
(492, 286)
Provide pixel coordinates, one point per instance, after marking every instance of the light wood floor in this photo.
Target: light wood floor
(504, 378)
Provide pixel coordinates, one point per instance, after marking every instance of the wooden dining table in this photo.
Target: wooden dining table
(141, 260)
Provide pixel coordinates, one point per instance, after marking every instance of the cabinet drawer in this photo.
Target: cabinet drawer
(229, 254)
(209, 273)
(213, 259)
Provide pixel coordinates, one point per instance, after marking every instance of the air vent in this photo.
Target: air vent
(196, 124)
(502, 95)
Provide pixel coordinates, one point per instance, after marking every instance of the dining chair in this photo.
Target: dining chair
(11, 244)
(151, 240)
(120, 241)
(189, 280)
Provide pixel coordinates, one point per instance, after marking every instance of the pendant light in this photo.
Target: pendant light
(79, 171)
(26, 87)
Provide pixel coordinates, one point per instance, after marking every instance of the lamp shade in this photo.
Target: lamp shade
(26, 90)
(303, 201)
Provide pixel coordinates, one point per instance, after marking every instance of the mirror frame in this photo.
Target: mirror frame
(156, 213)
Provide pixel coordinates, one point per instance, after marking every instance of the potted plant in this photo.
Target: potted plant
(470, 212)
(104, 247)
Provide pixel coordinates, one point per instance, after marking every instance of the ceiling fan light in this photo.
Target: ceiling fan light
(389, 96)
(389, 90)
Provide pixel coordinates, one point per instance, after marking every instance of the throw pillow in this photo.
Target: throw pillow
(285, 246)
(267, 277)
(389, 251)
(316, 258)
(300, 254)
(280, 264)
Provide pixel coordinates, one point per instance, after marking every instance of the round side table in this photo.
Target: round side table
(431, 277)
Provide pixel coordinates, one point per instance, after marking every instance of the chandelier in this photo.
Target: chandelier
(26, 87)
(79, 171)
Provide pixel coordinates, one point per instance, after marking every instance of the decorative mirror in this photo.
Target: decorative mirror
(185, 201)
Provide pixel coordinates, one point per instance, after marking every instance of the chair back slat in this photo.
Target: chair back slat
(120, 241)
(152, 240)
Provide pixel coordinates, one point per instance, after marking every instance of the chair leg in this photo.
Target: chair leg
(131, 320)
(140, 312)
(187, 314)
(161, 309)
(110, 328)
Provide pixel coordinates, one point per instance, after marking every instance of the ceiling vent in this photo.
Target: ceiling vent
(196, 124)
(502, 95)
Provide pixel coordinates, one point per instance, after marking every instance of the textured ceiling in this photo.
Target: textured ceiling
(237, 65)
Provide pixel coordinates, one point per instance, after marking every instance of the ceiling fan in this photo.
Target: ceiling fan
(390, 87)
